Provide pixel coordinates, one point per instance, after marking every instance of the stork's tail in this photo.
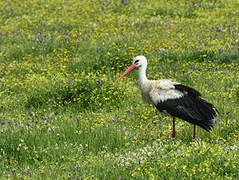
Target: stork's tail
(207, 113)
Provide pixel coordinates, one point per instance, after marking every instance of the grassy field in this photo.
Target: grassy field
(64, 114)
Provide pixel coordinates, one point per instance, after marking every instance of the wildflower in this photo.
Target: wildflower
(232, 43)
(70, 116)
(161, 52)
(43, 117)
(128, 111)
(218, 30)
(28, 124)
(220, 51)
(193, 66)
(12, 171)
(30, 113)
(139, 161)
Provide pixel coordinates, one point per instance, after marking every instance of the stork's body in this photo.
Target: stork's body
(176, 99)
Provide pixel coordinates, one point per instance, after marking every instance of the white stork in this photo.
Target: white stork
(176, 99)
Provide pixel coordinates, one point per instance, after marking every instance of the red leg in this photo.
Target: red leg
(174, 131)
(194, 132)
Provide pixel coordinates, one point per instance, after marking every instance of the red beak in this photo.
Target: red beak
(130, 68)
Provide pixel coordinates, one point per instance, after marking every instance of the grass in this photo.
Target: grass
(64, 114)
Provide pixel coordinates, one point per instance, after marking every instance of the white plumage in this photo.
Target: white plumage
(159, 91)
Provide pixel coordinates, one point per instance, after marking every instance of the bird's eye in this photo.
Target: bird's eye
(136, 61)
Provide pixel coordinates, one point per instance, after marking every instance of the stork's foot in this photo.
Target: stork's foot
(173, 135)
(174, 131)
(193, 141)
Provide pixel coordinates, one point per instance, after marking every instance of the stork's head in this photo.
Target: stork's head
(138, 61)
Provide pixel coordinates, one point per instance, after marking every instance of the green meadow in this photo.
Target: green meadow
(65, 115)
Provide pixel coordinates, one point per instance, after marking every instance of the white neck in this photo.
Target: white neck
(142, 74)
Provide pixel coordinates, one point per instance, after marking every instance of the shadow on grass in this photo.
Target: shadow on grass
(229, 56)
(86, 94)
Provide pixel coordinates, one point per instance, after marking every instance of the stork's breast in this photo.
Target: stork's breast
(145, 89)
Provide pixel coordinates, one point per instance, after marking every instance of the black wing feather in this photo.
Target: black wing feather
(190, 108)
(188, 90)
